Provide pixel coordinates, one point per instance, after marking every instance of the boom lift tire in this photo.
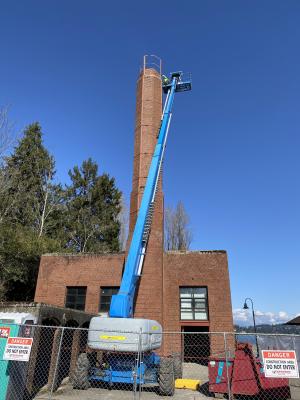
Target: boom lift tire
(81, 373)
(166, 379)
(177, 365)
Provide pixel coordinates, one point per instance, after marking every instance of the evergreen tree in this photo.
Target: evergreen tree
(28, 203)
(20, 251)
(30, 171)
(93, 204)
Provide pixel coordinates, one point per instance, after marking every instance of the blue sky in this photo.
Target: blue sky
(233, 150)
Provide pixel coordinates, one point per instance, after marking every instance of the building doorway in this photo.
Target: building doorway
(196, 344)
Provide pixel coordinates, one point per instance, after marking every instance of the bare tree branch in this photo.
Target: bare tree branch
(7, 137)
(178, 235)
(43, 216)
(123, 218)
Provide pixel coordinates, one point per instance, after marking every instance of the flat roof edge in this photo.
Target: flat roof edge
(195, 251)
(82, 254)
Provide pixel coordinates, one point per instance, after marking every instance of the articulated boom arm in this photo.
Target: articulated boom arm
(122, 303)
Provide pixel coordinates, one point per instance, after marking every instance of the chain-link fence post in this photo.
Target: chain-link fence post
(295, 383)
(136, 367)
(56, 363)
(139, 366)
(294, 344)
(75, 350)
(36, 334)
(227, 363)
(135, 376)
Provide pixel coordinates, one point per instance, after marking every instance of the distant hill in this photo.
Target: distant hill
(264, 328)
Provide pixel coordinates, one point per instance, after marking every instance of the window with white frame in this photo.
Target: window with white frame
(193, 303)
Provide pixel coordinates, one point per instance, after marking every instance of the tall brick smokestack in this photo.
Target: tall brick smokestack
(147, 123)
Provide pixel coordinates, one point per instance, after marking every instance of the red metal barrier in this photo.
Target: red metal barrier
(245, 374)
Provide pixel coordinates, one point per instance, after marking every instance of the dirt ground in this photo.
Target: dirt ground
(190, 370)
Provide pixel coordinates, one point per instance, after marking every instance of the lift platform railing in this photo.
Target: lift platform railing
(184, 82)
(152, 61)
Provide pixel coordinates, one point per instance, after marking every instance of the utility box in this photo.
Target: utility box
(13, 373)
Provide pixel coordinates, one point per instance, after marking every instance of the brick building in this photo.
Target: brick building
(184, 291)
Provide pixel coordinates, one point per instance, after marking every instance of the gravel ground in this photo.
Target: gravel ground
(99, 394)
(190, 370)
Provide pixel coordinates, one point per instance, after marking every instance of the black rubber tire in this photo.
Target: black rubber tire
(178, 368)
(166, 378)
(81, 373)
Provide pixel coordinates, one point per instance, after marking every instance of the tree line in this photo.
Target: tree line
(39, 215)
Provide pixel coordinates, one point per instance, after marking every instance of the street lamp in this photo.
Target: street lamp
(254, 323)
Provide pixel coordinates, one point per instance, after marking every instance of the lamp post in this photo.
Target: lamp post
(254, 323)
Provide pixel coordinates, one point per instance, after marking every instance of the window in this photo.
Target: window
(105, 297)
(76, 297)
(193, 303)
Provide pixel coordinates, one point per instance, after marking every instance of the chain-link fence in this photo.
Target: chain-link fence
(50, 362)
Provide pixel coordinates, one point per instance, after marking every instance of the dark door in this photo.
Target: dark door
(196, 344)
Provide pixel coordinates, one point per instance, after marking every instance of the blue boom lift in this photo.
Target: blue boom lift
(115, 341)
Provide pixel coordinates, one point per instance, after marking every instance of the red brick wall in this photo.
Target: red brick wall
(198, 268)
(210, 269)
(57, 272)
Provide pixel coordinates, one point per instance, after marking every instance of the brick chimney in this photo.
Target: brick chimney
(147, 123)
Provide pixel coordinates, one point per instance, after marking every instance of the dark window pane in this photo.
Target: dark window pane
(75, 297)
(105, 297)
(104, 307)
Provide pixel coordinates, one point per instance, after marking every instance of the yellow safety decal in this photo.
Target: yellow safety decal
(109, 337)
(154, 328)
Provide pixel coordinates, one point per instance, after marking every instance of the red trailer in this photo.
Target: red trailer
(245, 375)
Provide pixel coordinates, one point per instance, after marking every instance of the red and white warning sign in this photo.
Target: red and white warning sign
(280, 364)
(4, 332)
(17, 349)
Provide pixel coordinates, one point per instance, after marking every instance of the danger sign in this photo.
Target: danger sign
(17, 349)
(280, 364)
(4, 332)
